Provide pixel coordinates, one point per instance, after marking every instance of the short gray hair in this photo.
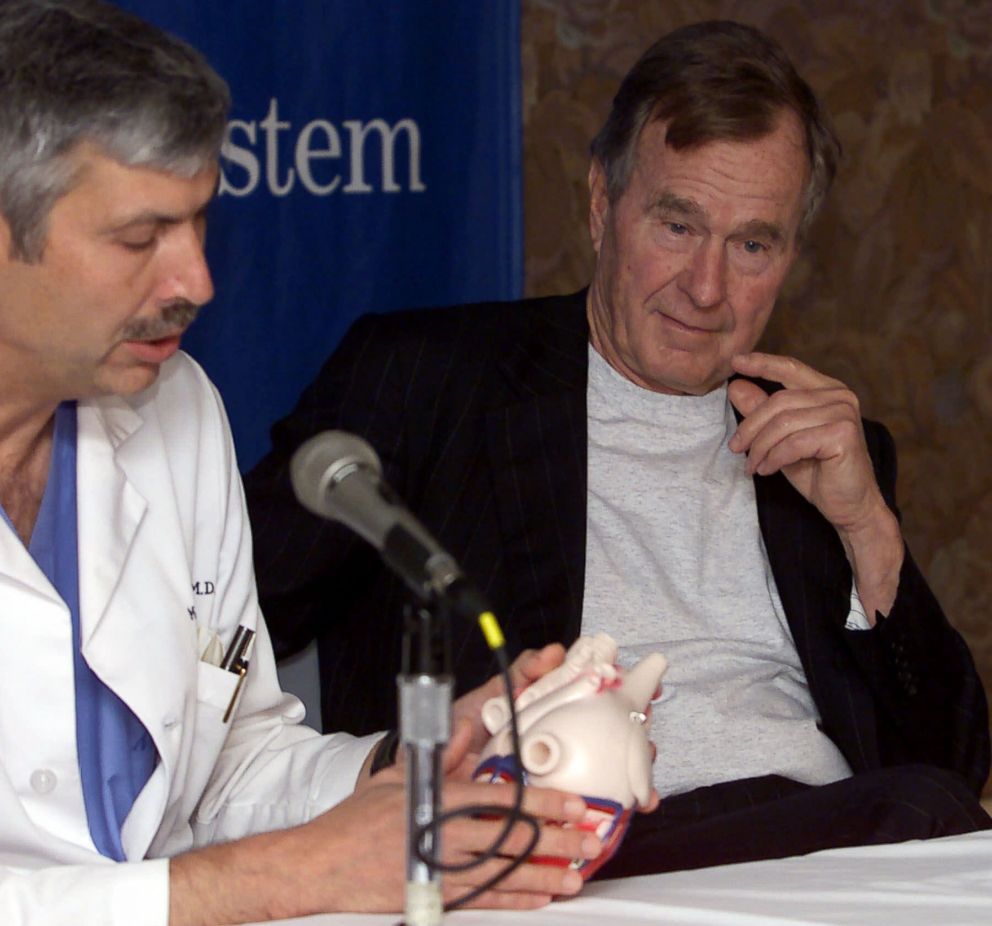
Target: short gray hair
(74, 71)
(715, 81)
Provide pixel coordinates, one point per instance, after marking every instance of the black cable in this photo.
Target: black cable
(514, 814)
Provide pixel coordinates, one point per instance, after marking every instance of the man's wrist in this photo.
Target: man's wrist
(876, 553)
(384, 754)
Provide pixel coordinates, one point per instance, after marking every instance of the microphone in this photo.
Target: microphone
(338, 476)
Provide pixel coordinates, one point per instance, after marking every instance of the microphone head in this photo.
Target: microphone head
(338, 476)
(322, 462)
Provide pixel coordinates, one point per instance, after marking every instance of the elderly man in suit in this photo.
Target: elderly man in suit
(622, 460)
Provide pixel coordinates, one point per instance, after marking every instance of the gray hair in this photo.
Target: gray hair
(715, 81)
(74, 71)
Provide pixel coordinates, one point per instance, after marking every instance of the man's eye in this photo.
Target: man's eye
(754, 247)
(677, 228)
(143, 245)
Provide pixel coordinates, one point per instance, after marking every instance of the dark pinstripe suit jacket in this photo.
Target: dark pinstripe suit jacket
(479, 416)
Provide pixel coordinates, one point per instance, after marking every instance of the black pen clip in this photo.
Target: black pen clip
(236, 660)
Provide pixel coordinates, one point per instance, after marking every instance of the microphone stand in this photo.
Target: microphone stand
(425, 690)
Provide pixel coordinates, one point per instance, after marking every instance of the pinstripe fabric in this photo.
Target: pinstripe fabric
(479, 416)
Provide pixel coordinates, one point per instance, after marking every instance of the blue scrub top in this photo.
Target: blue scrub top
(116, 754)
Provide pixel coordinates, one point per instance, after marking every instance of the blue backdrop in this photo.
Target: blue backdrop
(373, 163)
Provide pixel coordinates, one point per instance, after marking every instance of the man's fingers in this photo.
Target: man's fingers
(790, 372)
(652, 805)
(466, 837)
(819, 432)
(542, 879)
(544, 803)
(458, 746)
(532, 664)
(499, 900)
(475, 834)
(788, 410)
(745, 396)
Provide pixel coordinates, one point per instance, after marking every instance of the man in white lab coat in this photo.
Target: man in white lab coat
(125, 555)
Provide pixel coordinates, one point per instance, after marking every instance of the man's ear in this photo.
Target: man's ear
(599, 203)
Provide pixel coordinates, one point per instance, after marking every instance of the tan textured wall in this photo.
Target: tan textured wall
(894, 291)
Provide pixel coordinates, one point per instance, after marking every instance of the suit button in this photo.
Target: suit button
(43, 780)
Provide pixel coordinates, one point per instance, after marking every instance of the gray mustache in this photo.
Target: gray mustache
(175, 317)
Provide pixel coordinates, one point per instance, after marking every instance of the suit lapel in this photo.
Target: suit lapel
(537, 444)
(784, 539)
(110, 508)
(814, 584)
(132, 619)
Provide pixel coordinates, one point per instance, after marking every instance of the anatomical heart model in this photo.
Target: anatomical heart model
(582, 729)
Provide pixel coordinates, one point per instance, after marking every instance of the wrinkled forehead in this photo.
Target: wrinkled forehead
(769, 173)
(784, 133)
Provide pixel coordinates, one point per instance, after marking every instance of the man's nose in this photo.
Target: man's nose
(187, 275)
(704, 277)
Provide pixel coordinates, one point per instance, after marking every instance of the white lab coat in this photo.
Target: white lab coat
(164, 561)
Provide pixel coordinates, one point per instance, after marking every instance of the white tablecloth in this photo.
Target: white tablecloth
(938, 882)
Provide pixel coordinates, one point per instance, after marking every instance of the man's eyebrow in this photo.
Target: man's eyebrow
(671, 204)
(142, 218)
(758, 228)
(679, 205)
(149, 217)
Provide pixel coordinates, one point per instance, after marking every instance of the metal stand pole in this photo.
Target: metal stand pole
(425, 689)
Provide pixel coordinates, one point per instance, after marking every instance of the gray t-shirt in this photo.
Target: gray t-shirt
(675, 563)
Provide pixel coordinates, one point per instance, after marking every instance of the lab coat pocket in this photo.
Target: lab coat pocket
(200, 776)
(216, 689)
(204, 735)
